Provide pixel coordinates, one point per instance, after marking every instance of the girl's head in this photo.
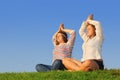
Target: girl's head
(61, 37)
(91, 30)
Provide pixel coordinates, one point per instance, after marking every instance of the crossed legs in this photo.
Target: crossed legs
(75, 65)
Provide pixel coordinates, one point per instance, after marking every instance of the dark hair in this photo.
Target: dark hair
(93, 26)
(65, 37)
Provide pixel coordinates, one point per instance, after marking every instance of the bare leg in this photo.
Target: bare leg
(71, 64)
(89, 65)
(79, 63)
(75, 65)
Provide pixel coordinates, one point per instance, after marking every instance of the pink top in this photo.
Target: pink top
(65, 49)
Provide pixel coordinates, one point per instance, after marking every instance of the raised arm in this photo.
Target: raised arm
(69, 31)
(72, 34)
(82, 30)
(54, 40)
(84, 26)
(99, 31)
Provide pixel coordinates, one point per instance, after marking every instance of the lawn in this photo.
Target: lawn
(113, 74)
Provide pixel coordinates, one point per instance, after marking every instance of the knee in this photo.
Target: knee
(90, 65)
(38, 67)
(43, 67)
(64, 61)
(57, 65)
(86, 66)
(56, 62)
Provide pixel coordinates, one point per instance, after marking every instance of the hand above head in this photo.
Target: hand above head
(61, 27)
(90, 17)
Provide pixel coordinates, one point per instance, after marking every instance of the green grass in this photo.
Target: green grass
(63, 75)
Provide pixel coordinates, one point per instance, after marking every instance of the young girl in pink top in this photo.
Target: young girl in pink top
(62, 49)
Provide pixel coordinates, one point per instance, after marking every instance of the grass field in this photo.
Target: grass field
(63, 75)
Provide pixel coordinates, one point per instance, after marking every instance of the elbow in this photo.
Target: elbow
(73, 32)
(80, 32)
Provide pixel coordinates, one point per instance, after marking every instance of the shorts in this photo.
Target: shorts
(100, 64)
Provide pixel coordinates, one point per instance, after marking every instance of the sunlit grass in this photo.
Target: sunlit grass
(113, 74)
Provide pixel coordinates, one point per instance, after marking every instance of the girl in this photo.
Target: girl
(62, 49)
(92, 48)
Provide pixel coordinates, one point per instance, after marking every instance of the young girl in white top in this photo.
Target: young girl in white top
(92, 35)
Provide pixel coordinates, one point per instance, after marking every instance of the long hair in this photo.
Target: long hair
(64, 36)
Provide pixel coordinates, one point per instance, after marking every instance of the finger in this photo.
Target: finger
(62, 26)
(90, 17)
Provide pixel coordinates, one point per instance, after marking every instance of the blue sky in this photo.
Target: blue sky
(27, 26)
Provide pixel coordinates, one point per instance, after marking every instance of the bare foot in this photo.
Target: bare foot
(69, 70)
